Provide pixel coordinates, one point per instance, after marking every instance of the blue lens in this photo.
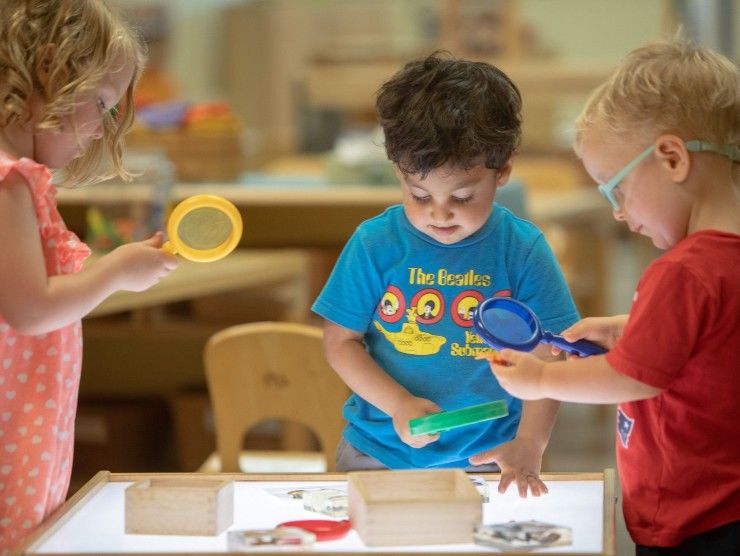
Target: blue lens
(507, 326)
(503, 322)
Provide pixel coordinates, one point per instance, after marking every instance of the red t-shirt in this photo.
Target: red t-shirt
(679, 452)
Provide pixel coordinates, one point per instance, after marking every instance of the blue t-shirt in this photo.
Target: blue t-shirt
(412, 298)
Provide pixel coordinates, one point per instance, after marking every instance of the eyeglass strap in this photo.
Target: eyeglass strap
(730, 151)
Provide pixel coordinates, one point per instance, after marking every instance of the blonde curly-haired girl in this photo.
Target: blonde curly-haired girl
(67, 73)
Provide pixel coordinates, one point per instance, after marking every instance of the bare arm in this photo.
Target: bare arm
(592, 380)
(538, 416)
(537, 421)
(346, 354)
(583, 380)
(33, 303)
(520, 459)
(348, 357)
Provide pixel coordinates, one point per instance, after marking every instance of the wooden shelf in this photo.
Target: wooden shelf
(352, 86)
(240, 270)
(322, 219)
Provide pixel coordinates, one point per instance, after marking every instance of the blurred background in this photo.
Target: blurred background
(270, 103)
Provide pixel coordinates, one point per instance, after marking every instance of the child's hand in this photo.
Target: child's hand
(601, 330)
(518, 373)
(141, 264)
(520, 460)
(411, 408)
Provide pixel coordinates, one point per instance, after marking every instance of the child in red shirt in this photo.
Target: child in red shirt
(661, 137)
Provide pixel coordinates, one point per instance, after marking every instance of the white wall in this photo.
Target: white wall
(598, 29)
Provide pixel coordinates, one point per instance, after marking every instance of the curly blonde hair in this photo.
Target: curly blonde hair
(668, 87)
(88, 39)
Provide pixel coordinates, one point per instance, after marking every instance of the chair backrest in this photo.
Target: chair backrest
(272, 371)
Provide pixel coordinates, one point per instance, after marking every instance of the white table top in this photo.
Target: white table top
(97, 524)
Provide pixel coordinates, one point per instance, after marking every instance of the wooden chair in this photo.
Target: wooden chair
(272, 371)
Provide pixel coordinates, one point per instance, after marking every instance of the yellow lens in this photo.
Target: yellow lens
(205, 228)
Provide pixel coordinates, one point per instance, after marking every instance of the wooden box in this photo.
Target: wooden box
(214, 156)
(413, 507)
(179, 507)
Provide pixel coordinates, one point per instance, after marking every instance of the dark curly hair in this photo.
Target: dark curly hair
(442, 110)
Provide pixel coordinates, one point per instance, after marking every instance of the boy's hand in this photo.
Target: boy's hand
(518, 373)
(411, 408)
(520, 460)
(601, 330)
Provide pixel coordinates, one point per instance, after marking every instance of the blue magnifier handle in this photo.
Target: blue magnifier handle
(582, 348)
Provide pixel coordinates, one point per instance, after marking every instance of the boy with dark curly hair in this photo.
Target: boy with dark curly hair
(398, 303)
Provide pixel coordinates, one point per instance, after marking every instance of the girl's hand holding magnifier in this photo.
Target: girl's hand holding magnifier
(201, 228)
(139, 265)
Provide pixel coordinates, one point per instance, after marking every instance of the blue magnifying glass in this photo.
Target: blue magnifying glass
(504, 322)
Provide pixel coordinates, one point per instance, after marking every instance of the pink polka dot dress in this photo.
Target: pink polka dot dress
(39, 381)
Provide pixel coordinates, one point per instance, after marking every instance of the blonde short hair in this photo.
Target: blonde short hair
(89, 40)
(668, 87)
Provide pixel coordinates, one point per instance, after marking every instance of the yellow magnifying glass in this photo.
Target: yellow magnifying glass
(203, 228)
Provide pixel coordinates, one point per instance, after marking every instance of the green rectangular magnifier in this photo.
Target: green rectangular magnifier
(446, 420)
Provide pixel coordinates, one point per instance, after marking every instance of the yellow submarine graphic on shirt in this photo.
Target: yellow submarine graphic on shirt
(410, 340)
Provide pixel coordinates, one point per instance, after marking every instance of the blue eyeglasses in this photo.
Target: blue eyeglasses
(607, 189)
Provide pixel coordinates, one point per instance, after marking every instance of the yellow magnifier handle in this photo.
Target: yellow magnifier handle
(169, 247)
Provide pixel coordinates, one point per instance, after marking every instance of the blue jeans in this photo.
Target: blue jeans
(350, 458)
